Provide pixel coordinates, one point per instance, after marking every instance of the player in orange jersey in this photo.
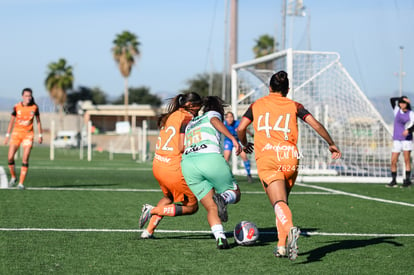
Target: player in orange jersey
(167, 164)
(274, 119)
(21, 122)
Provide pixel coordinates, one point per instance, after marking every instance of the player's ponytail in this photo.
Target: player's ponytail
(174, 105)
(177, 102)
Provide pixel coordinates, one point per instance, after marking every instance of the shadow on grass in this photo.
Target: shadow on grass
(269, 235)
(317, 254)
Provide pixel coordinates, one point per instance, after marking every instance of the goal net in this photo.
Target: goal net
(319, 81)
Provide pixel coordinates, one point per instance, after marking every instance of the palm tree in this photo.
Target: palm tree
(59, 79)
(125, 49)
(264, 45)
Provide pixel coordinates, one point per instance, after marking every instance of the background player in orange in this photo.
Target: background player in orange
(167, 164)
(274, 119)
(21, 122)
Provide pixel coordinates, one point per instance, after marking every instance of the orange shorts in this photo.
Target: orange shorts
(271, 169)
(23, 138)
(172, 183)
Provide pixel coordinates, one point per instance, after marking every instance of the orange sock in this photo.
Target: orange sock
(153, 223)
(283, 221)
(12, 171)
(168, 210)
(23, 173)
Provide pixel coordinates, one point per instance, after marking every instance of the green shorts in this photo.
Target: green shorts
(202, 172)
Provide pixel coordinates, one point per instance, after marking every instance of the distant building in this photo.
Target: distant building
(105, 117)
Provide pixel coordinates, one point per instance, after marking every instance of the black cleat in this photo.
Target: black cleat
(221, 207)
(222, 243)
(406, 183)
(392, 184)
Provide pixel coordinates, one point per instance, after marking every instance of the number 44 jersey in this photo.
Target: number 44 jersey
(275, 124)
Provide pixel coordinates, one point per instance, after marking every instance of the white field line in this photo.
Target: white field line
(355, 195)
(95, 230)
(150, 190)
(88, 168)
(327, 191)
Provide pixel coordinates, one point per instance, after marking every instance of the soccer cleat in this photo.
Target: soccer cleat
(222, 243)
(292, 243)
(12, 182)
(146, 235)
(20, 186)
(145, 214)
(221, 207)
(406, 183)
(249, 179)
(393, 183)
(280, 251)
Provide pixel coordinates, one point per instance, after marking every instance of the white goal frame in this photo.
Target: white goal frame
(319, 81)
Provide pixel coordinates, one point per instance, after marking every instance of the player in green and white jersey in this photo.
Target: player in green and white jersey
(205, 170)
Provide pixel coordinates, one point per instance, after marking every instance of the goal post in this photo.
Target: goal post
(321, 83)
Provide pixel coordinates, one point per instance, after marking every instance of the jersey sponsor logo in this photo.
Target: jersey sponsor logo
(283, 151)
(195, 148)
(24, 122)
(162, 159)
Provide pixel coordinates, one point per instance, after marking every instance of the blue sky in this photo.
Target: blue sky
(183, 38)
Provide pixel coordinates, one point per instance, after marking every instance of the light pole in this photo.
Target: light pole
(401, 74)
(292, 8)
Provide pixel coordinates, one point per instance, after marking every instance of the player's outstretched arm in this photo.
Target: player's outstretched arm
(241, 133)
(320, 129)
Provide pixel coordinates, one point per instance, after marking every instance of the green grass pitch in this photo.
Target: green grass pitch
(80, 217)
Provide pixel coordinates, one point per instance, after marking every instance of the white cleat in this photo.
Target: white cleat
(145, 214)
(146, 235)
(292, 243)
(12, 182)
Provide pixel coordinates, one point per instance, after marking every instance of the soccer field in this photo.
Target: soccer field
(80, 217)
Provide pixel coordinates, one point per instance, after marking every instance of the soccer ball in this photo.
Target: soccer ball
(246, 233)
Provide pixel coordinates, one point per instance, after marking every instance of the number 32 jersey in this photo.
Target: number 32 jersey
(275, 124)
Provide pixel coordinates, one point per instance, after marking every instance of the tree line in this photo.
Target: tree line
(125, 50)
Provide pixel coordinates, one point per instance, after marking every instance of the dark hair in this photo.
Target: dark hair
(177, 102)
(32, 102)
(214, 103)
(279, 82)
(402, 100)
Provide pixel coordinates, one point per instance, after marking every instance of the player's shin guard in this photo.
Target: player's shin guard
(283, 221)
(12, 169)
(170, 210)
(23, 172)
